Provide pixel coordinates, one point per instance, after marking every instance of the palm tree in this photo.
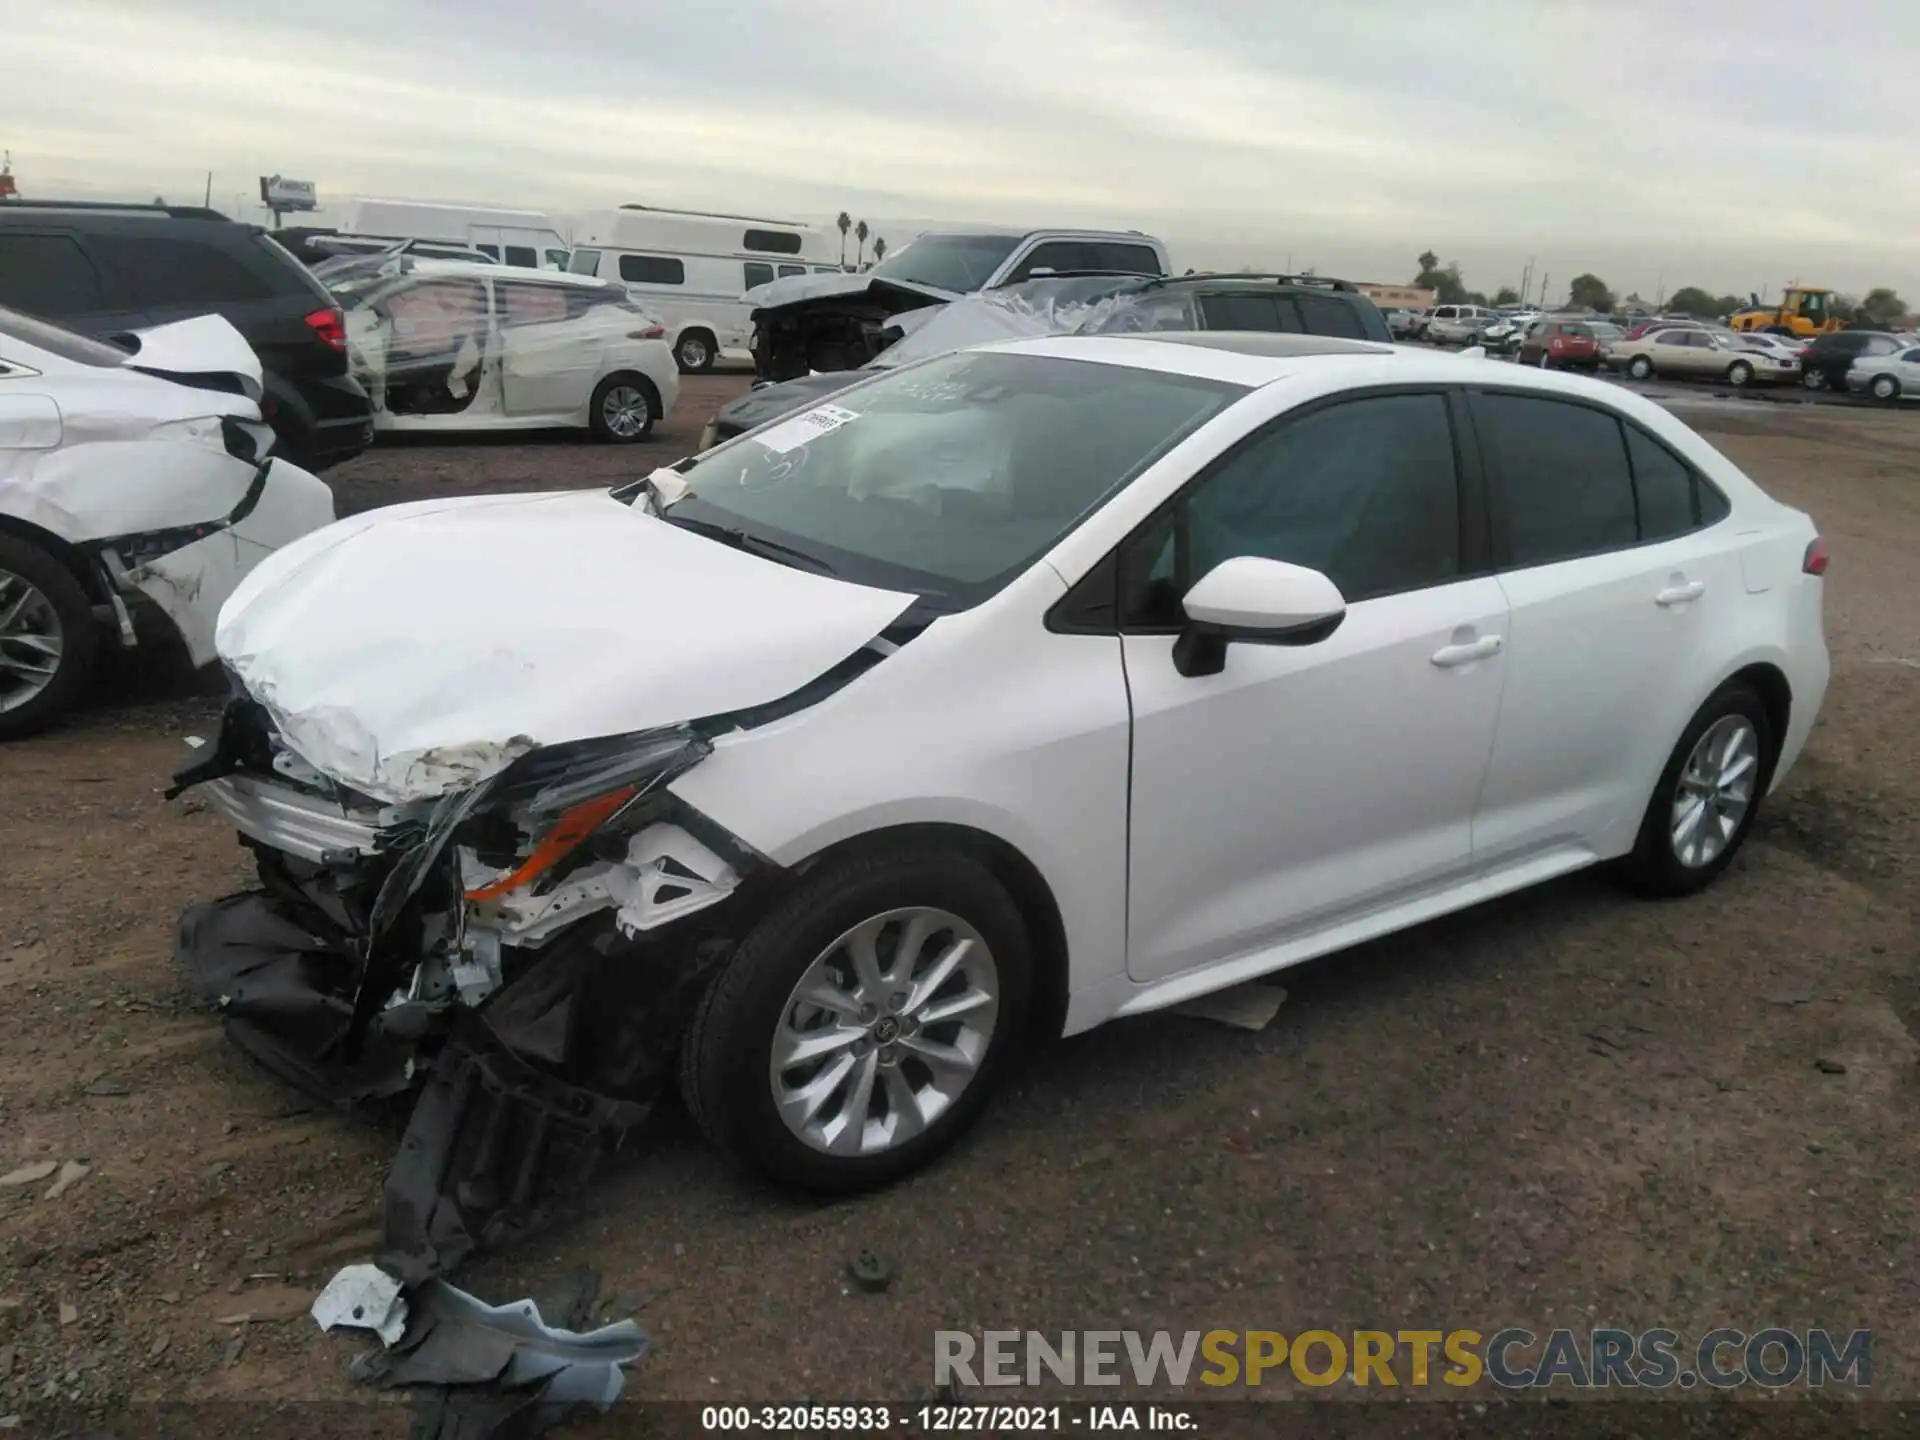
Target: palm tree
(845, 222)
(879, 248)
(860, 234)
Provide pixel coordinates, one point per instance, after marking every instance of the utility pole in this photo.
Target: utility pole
(1526, 280)
(209, 199)
(1543, 290)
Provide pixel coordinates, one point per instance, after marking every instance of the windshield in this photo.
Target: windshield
(952, 262)
(55, 341)
(951, 476)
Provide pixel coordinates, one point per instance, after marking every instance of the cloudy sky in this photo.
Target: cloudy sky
(1731, 145)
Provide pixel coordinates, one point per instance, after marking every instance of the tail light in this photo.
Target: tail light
(329, 327)
(1814, 562)
(652, 332)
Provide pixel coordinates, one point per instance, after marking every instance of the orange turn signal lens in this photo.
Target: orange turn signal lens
(572, 828)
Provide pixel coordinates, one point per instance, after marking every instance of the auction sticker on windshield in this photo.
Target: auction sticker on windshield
(792, 433)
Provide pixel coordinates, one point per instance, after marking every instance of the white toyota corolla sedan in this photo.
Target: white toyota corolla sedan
(1017, 689)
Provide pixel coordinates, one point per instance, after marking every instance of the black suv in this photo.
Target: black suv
(107, 269)
(1084, 303)
(1824, 363)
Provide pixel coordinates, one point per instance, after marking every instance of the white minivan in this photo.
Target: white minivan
(692, 269)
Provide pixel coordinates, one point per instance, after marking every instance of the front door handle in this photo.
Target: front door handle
(1681, 594)
(1449, 656)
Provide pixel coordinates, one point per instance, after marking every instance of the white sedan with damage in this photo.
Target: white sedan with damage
(131, 479)
(1018, 689)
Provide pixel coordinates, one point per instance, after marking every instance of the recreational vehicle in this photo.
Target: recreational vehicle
(692, 269)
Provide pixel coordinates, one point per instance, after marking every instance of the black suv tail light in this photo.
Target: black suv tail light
(330, 327)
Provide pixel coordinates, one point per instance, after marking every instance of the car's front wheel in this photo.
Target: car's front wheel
(861, 1025)
(623, 409)
(1640, 367)
(1740, 374)
(1707, 796)
(47, 638)
(695, 352)
(1814, 379)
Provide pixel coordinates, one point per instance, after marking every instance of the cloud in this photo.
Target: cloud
(1639, 138)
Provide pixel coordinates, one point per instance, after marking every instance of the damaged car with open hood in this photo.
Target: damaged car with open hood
(137, 488)
(1006, 692)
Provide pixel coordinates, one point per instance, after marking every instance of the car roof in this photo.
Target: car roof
(1258, 359)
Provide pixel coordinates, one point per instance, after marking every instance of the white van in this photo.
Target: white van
(692, 269)
(529, 238)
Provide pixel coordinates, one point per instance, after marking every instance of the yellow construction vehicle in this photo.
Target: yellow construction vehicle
(1803, 310)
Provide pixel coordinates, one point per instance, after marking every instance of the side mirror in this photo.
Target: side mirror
(1257, 601)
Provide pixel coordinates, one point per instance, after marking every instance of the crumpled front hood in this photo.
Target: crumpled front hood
(417, 650)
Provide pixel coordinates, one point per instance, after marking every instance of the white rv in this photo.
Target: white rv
(529, 238)
(692, 269)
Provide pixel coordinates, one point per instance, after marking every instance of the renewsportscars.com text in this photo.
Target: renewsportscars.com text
(1515, 1359)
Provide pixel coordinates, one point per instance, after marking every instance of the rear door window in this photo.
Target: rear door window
(1240, 312)
(1117, 255)
(160, 271)
(530, 304)
(1559, 477)
(756, 272)
(523, 255)
(47, 275)
(1053, 255)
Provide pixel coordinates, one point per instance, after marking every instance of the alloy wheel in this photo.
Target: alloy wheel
(31, 641)
(1715, 791)
(625, 411)
(885, 1030)
(693, 353)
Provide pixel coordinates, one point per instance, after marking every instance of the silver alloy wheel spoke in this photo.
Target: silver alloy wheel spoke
(1715, 790)
(32, 641)
(626, 410)
(884, 1031)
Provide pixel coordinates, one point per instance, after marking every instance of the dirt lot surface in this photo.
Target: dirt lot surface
(1565, 1108)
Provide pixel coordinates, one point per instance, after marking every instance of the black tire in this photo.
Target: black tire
(1640, 367)
(79, 634)
(695, 351)
(1884, 387)
(1651, 867)
(1814, 379)
(1740, 374)
(605, 431)
(726, 1057)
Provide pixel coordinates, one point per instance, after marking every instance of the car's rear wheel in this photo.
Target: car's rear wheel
(47, 638)
(1640, 367)
(1814, 379)
(1740, 374)
(1885, 387)
(862, 1024)
(623, 408)
(695, 352)
(1707, 797)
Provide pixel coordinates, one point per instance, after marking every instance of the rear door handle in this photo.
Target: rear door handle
(1449, 656)
(1681, 594)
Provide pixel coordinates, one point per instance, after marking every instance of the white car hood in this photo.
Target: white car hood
(420, 649)
(204, 345)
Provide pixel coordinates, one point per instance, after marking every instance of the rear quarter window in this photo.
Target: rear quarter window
(1331, 315)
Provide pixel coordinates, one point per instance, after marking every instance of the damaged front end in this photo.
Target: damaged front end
(523, 952)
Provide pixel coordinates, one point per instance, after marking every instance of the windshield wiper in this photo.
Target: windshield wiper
(743, 540)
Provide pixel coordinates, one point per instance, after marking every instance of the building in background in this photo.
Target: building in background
(1398, 297)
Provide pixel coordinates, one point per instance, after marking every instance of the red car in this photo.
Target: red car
(1553, 344)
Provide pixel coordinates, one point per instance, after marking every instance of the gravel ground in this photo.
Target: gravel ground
(1564, 1108)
